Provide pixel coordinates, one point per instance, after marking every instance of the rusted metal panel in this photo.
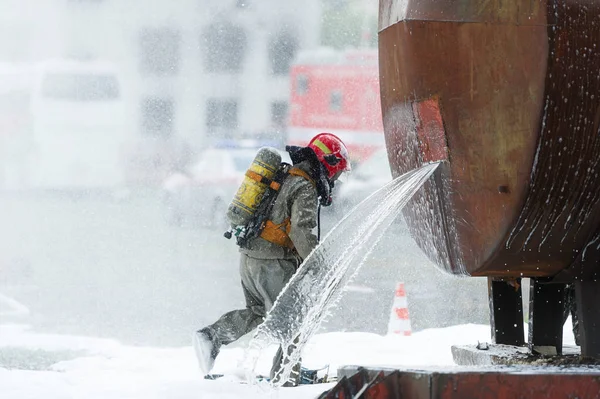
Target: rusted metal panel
(516, 86)
(582, 268)
(510, 386)
(562, 208)
(466, 384)
(430, 130)
(400, 384)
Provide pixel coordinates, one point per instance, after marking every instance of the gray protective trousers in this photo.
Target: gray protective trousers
(262, 281)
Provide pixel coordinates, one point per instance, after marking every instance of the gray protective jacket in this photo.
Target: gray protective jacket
(297, 200)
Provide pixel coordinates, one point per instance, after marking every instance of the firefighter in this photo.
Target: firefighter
(268, 262)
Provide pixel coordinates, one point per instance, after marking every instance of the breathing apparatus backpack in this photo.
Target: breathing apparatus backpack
(251, 206)
(249, 195)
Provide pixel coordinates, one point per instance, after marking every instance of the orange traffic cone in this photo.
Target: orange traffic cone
(399, 319)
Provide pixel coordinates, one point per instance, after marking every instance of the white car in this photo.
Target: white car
(201, 195)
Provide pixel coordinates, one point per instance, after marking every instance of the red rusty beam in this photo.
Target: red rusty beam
(470, 384)
(510, 386)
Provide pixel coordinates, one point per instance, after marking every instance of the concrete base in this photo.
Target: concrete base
(508, 355)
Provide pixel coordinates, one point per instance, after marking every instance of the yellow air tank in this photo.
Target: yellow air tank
(249, 194)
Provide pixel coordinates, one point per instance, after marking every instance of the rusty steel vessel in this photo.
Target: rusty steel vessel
(508, 92)
(507, 95)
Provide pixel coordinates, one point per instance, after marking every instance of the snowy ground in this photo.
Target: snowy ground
(102, 368)
(109, 369)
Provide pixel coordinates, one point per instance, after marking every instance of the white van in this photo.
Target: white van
(62, 125)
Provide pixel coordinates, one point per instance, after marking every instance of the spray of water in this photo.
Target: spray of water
(318, 284)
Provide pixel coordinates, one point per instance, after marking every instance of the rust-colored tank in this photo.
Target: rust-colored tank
(509, 93)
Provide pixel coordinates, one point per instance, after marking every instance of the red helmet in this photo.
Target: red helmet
(332, 153)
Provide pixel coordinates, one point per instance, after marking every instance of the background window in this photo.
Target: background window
(160, 51)
(221, 114)
(335, 101)
(225, 47)
(301, 84)
(80, 87)
(157, 116)
(279, 113)
(282, 51)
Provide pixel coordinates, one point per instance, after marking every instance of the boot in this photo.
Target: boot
(206, 349)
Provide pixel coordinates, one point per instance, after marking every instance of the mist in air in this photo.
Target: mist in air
(126, 128)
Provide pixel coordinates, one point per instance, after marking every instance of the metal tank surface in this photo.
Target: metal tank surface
(507, 93)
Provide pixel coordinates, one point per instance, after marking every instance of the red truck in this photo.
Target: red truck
(337, 92)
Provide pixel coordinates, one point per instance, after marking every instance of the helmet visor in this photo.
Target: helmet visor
(341, 175)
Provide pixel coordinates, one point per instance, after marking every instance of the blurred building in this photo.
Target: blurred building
(192, 70)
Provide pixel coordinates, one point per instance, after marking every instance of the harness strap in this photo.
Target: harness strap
(264, 180)
(278, 234)
(301, 173)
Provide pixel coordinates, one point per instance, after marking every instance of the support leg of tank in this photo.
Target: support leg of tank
(546, 302)
(506, 312)
(570, 309)
(587, 294)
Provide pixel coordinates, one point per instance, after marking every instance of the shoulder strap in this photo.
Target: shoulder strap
(275, 185)
(299, 172)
